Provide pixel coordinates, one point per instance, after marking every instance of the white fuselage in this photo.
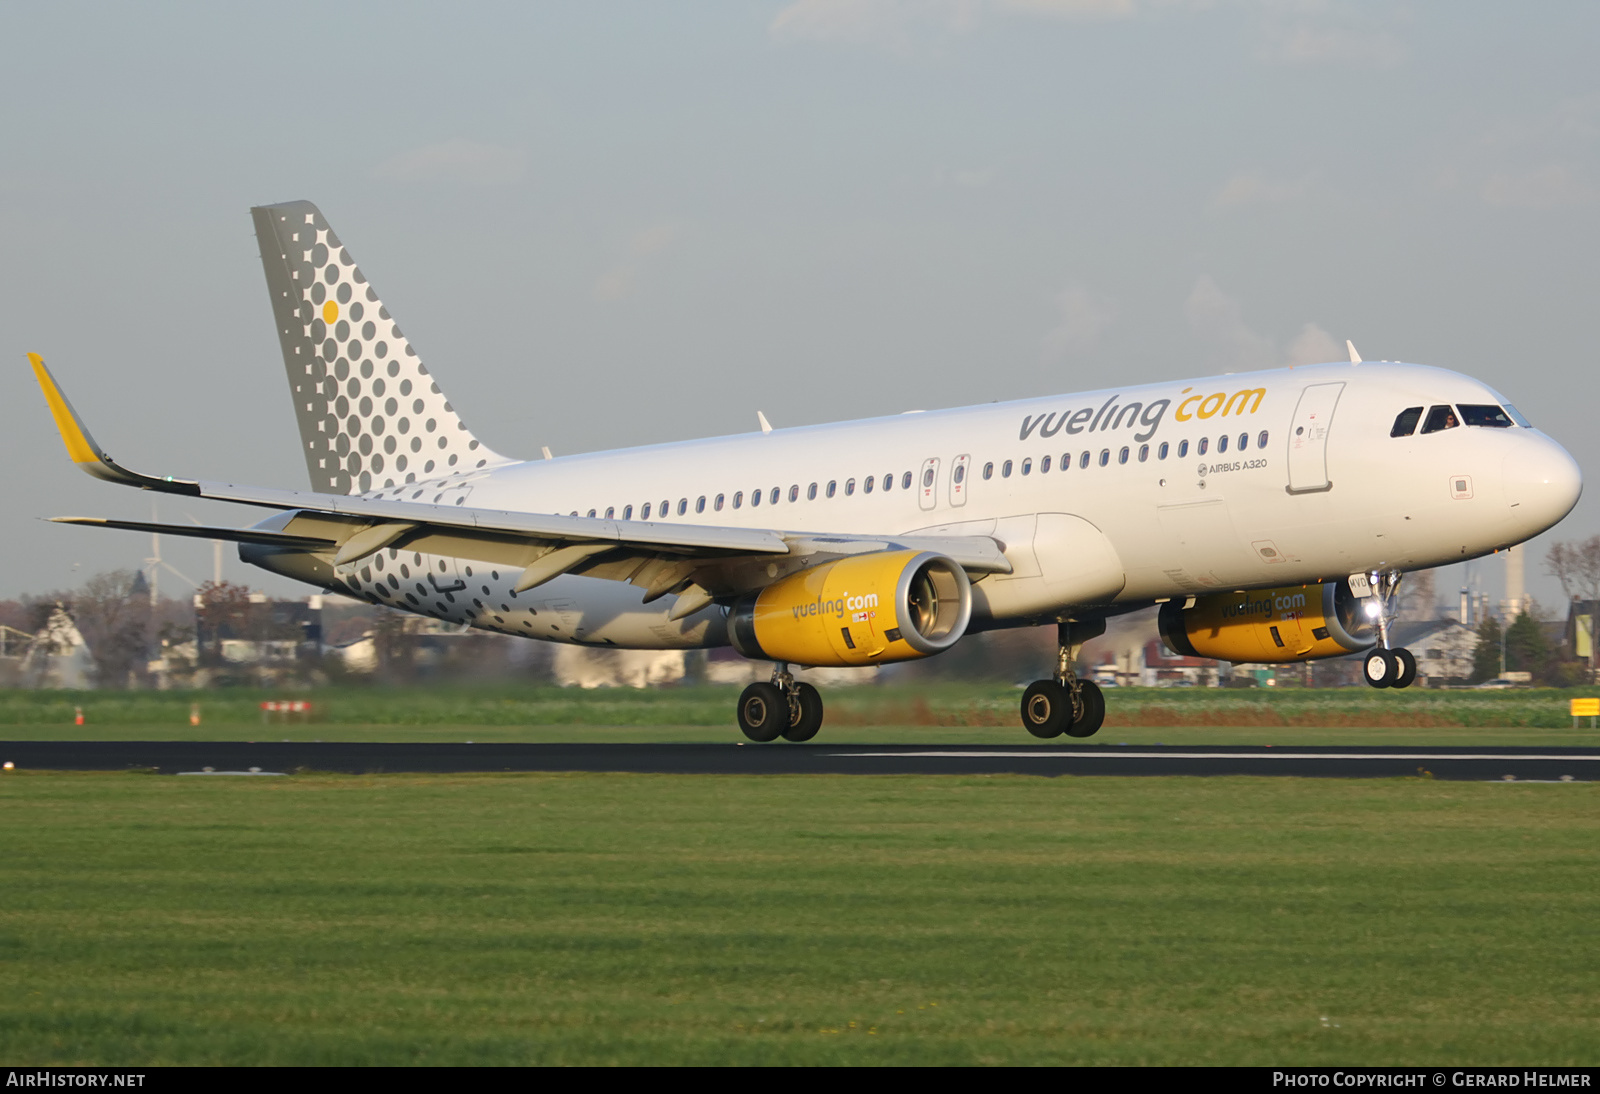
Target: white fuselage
(1308, 485)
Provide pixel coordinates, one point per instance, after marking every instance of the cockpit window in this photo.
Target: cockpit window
(1406, 423)
(1517, 417)
(1440, 417)
(1484, 414)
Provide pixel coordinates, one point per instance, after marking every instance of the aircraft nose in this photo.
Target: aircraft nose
(1542, 483)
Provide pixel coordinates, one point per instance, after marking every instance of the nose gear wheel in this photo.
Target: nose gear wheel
(1387, 666)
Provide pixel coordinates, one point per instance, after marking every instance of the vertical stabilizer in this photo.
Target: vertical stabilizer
(370, 415)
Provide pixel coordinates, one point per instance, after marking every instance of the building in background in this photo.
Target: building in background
(58, 657)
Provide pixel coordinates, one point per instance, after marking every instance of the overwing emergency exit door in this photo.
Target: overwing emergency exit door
(928, 483)
(958, 480)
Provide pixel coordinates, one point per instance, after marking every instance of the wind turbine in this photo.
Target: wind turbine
(155, 564)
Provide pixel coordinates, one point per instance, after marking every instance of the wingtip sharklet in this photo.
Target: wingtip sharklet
(81, 446)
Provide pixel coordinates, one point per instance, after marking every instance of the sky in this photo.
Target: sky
(606, 224)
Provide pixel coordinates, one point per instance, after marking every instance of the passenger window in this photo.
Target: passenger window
(738, 499)
(1261, 439)
(683, 506)
(1440, 418)
(927, 477)
(1044, 466)
(1105, 456)
(1122, 457)
(1183, 449)
(1027, 466)
(1083, 461)
(1244, 441)
(1205, 443)
(811, 492)
(905, 481)
(1405, 423)
(666, 509)
(1161, 453)
(794, 493)
(627, 512)
(610, 512)
(888, 480)
(868, 484)
(1484, 415)
(833, 487)
(1144, 452)
(849, 487)
(700, 504)
(1066, 461)
(1222, 444)
(719, 503)
(1005, 470)
(772, 499)
(755, 498)
(961, 474)
(988, 470)
(591, 513)
(644, 514)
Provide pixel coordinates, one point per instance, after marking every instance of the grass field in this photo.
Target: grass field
(647, 919)
(945, 713)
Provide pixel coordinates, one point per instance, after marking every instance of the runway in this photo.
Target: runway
(270, 757)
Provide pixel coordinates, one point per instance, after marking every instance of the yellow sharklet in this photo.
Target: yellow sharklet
(80, 446)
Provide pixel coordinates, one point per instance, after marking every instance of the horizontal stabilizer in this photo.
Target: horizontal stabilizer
(200, 531)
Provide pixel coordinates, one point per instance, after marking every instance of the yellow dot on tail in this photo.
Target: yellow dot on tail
(330, 312)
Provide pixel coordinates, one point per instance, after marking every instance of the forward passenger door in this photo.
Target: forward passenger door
(1308, 439)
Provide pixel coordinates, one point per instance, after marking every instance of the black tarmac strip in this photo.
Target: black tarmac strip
(1078, 758)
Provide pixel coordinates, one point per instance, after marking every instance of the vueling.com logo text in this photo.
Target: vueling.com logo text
(838, 606)
(1131, 415)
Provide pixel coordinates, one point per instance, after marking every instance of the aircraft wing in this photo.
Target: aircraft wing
(699, 561)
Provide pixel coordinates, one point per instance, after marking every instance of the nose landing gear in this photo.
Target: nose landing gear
(783, 708)
(1066, 704)
(1387, 666)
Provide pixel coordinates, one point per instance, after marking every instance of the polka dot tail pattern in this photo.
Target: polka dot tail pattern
(371, 416)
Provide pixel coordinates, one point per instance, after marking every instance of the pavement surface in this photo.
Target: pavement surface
(274, 757)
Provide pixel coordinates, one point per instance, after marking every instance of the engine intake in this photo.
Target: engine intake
(1289, 623)
(863, 610)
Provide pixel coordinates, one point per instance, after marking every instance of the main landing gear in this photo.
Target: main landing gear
(783, 708)
(1386, 666)
(1066, 704)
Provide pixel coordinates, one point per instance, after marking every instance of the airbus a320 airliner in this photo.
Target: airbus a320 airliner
(1270, 514)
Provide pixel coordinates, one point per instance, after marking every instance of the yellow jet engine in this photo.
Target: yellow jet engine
(1289, 623)
(862, 610)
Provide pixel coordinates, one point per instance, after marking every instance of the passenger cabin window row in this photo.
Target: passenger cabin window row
(886, 483)
(1123, 455)
(1444, 416)
(771, 497)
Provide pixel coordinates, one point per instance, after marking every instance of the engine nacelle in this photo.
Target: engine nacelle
(1290, 623)
(863, 610)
